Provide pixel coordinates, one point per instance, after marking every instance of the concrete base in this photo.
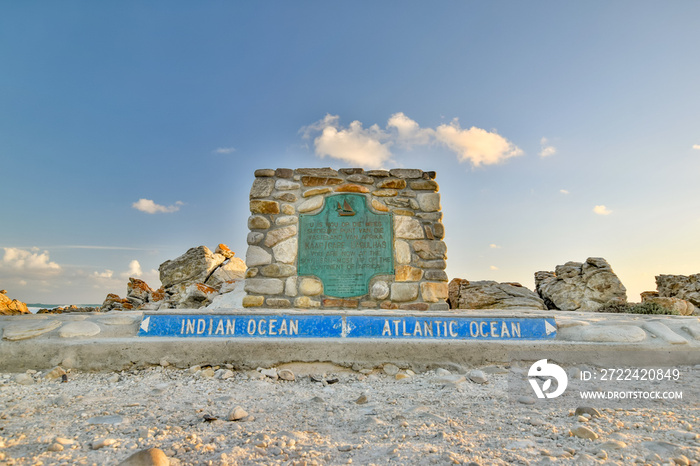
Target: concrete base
(118, 347)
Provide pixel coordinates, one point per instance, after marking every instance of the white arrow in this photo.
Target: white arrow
(549, 328)
(144, 324)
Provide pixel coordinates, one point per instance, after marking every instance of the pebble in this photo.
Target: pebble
(106, 442)
(223, 374)
(584, 432)
(587, 410)
(208, 373)
(55, 447)
(55, 373)
(149, 457)
(390, 369)
(478, 376)
(271, 373)
(106, 420)
(24, 379)
(442, 372)
(402, 376)
(526, 400)
(237, 414)
(361, 400)
(286, 374)
(613, 445)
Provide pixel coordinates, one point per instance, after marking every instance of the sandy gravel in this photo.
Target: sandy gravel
(328, 415)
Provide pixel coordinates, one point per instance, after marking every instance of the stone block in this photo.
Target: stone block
(351, 188)
(288, 209)
(402, 252)
(262, 187)
(406, 273)
(392, 183)
(435, 275)
(264, 172)
(280, 234)
(433, 292)
(429, 249)
(284, 173)
(385, 193)
(379, 206)
(311, 204)
(254, 237)
(290, 286)
(342, 303)
(401, 292)
(257, 256)
(287, 220)
(304, 302)
(286, 197)
(362, 179)
(278, 270)
(286, 185)
(379, 290)
(265, 286)
(424, 185)
(278, 303)
(316, 192)
(264, 207)
(320, 181)
(286, 251)
(310, 287)
(258, 222)
(429, 202)
(406, 173)
(317, 171)
(415, 307)
(407, 228)
(378, 173)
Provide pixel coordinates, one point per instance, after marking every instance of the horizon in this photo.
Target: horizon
(130, 133)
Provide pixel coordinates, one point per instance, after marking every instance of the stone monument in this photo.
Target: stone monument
(345, 239)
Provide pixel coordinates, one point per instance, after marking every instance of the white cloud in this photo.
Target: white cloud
(134, 270)
(354, 144)
(564, 191)
(476, 145)
(493, 267)
(150, 207)
(494, 246)
(31, 262)
(409, 132)
(546, 149)
(224, 150)
(371, 147)
(696, 146)
(107, 274)
(602, 210)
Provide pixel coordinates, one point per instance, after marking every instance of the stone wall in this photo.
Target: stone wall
(407, 197)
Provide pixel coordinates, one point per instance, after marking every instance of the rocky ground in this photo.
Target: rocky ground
(331, 415)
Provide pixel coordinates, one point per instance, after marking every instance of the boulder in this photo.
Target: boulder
(11, 307)
(679, 286)
(487, 294)
(114, 303)
(577, 286)
(683, 307)
(194, 266)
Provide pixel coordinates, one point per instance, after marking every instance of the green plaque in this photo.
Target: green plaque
(345, 245)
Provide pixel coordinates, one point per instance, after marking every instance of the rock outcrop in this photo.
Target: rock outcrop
(71, 308)
(11, 307)
(189, 281)
(486, 294)
(679, 286)
(577, 286)
(683, 307)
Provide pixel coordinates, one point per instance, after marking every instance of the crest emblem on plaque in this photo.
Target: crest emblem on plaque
(345, 245)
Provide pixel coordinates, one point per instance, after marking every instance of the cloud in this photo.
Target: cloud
(602, 210)
(408, 132)
(32, 262)
(564, 191)
(134, 270)
(150, 207)
(494, 246)
(546, 150)
(493, 267)
(354, 144)
(371, 147)
(107, 274)
(696, 146)
(224, 150)
(476, 145)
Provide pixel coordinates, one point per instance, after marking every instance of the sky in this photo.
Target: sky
(130, 131)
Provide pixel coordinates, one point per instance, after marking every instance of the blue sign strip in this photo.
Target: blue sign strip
(351, 326)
